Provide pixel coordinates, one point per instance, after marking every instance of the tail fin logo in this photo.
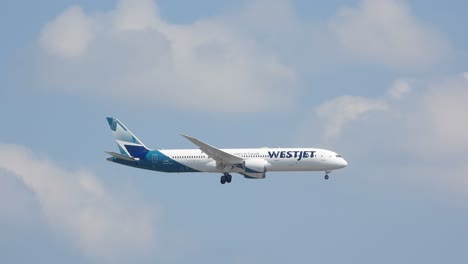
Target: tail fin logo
(129, 145)
(112, 123)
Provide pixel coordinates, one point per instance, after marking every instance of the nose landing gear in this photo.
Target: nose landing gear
(326, 175)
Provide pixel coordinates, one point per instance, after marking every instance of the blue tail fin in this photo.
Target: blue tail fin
(129, 145)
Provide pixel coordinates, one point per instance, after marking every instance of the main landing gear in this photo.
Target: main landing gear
(226, 178)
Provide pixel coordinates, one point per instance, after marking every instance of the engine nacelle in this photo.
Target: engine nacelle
(255, 168)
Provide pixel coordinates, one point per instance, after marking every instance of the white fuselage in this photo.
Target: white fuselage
(251, 163)
(277, 159)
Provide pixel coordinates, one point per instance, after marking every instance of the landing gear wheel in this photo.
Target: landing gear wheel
(223, 179)
(326, 177)
(228, 178)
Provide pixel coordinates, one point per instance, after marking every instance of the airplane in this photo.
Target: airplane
(252, 163)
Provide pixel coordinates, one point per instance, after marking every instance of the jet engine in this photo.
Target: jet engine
(254, 168)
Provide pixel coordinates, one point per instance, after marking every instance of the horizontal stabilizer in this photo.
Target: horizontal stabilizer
(119, 156)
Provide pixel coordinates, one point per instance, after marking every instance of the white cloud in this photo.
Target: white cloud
(385, 31)
(421, 139)
(75, 204)
(272, 23)
(443, 116)
(432, 120)
(337, 112)
(465, 75)
(136, 15)
(399, 89)
(134, 55)
(229, 63)
(17, 204)
(69, 34)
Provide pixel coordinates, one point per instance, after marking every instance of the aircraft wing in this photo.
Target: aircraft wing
(217, 154)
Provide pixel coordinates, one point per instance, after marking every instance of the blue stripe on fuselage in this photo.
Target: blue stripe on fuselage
(154, 160)
(166, 164)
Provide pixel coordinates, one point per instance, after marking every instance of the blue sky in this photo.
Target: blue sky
(384, 83)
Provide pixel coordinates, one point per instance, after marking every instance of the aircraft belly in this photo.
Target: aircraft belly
(294, 165)
(202, 166)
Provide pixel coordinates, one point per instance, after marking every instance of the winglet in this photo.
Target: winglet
(191, 139)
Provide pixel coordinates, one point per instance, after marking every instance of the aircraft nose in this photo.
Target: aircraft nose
(342, 163)
(345, 163)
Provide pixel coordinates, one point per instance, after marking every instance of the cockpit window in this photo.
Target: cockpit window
(338, 156)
